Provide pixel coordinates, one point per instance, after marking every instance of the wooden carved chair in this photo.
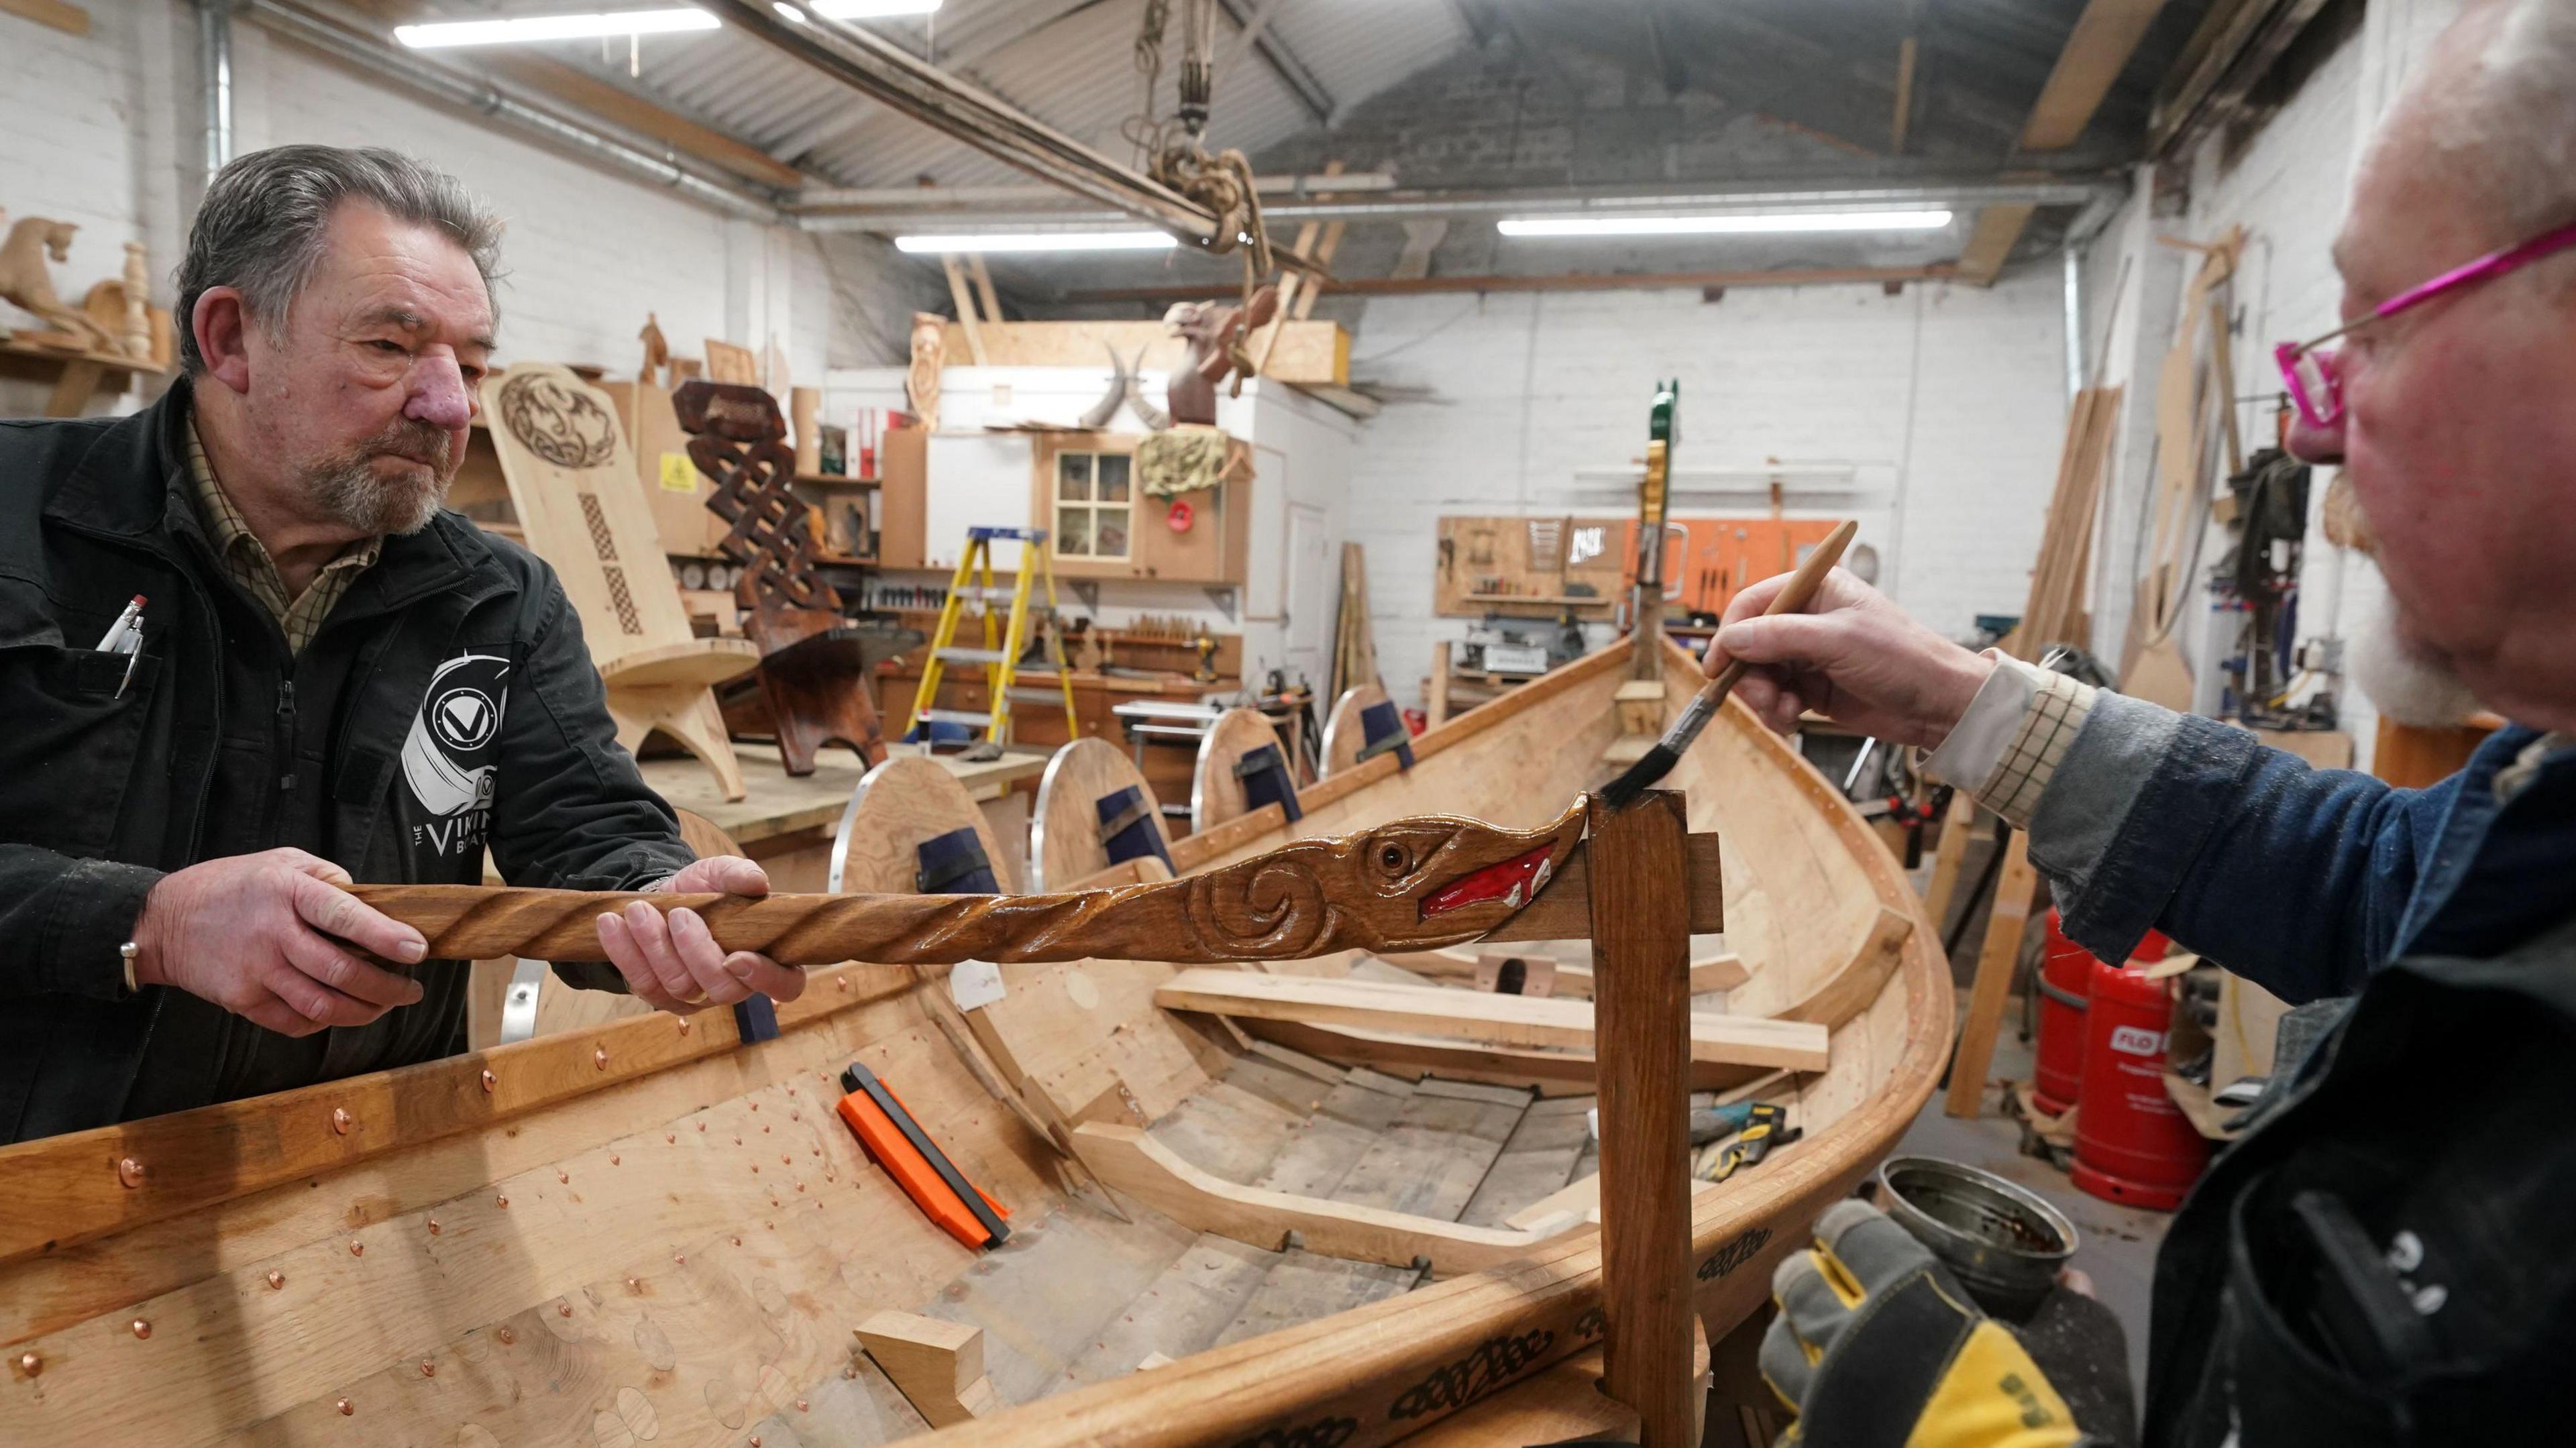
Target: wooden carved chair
(572, 480)
(813, 686)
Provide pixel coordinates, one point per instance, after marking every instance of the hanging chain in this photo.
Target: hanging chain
(1172, 151)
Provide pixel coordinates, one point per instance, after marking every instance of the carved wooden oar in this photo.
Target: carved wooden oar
(1413, 884)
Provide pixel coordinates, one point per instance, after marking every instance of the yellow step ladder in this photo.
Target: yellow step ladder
(1000, 657)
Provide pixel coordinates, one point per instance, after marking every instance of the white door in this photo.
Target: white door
(1314, 588)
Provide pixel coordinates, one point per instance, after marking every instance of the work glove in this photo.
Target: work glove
(1877, 1346)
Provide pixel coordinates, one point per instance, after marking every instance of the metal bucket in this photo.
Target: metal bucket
(2002, 1241)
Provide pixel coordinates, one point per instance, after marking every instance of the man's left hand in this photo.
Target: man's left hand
(672, 962)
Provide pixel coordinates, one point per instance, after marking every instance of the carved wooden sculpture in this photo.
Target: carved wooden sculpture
(1411, 884)
(929, 356)
(1215, 333)
(25, 281)
(813, 667)
(572, 482)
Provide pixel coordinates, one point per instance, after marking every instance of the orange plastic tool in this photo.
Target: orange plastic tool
(887, 1128)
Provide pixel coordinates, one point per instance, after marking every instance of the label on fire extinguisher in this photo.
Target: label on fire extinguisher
(2135, 1042)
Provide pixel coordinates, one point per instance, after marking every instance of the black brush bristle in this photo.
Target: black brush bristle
(1641, 776)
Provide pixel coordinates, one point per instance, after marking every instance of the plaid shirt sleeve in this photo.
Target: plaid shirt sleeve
(2013, 736)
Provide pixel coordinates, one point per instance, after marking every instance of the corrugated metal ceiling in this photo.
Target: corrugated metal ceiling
(1070, 63)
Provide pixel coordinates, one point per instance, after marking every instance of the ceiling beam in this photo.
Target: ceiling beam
(976, 47)
(2105, 36)
(1561, 282)
(1283, 63)
(2234, 53)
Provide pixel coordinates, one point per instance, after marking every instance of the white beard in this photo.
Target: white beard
(2407, 685)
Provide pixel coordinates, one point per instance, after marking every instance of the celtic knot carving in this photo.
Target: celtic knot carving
(738, 440)
(1322, 1433)
(1734, 1254)
(1496, 1360)
(564, 425)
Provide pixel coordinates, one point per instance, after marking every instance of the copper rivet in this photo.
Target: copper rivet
(755, 1106)
(433, 1226)
(818, 1151)
(500, 1201)
(563, 1309)
(276, 1279)
(490, 1080)
(130, 1172)
(428, 1369)
(613, 1159)
(755, 1440)
(357, 1248)
(142, 1327)
(791, 1090)
(632, 1285)
(800, 1405)
(340, 1120)
(764, 1127)
(670, 1136)
(345, 1408)
(507, 1337)
(684, 1026)
(755, 1168)
(599, 1058)
(843, 983)
(795, 1115)
(783, 1159)
(737, 1241)
(562, 1176)
(681, 1258)
(800, 1186)
(737, 1141)
(30, 1364)
(702, 1126)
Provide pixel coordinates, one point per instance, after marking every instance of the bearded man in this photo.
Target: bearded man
(335, 679)
(2387, 1255)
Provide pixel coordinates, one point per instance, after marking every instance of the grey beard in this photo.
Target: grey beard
(350, 492)
(2407, 684)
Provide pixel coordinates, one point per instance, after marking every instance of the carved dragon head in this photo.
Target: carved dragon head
(1411, 884)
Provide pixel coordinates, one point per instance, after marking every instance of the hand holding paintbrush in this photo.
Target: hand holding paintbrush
(1793, 596)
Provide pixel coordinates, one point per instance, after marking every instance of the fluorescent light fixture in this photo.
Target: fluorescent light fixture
(1737, 224)
(525, 29)
(1037, 241)
(871, 9)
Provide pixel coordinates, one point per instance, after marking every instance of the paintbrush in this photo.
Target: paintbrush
(1668, 751)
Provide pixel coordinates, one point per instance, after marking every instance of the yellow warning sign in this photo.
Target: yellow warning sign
(679, 475)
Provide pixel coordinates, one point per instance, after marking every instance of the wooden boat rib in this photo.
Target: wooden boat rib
(647, 1231)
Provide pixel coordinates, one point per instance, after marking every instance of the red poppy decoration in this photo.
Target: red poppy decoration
(1179, 518)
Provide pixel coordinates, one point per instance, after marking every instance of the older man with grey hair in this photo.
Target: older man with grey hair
(2389, 1254)
(245, 658)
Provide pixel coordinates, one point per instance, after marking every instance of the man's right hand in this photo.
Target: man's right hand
(265, 936)
(1858, 659)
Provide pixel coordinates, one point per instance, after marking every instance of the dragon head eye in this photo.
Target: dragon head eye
(1393, 858)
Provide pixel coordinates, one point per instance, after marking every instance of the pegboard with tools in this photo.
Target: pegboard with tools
(1488, 565)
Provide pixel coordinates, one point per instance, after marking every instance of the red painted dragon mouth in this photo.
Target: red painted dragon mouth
(1514, 882)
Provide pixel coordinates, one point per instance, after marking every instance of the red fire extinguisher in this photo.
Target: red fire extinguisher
(2132, 1144)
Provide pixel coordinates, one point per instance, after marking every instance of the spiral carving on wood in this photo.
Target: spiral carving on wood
(1413, 884)
(564, 426)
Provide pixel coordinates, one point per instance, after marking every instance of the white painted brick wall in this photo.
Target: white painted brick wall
(1947, 404)
(102, 130)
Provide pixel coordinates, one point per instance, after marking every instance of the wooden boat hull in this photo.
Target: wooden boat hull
(644, 1231)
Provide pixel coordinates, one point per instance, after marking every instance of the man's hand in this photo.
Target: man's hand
(672, 962)
(1858, 659)
(265, 936)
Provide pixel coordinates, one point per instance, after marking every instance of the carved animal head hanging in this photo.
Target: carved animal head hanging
(737, 438)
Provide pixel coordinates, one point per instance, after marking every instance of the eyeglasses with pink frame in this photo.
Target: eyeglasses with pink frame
(2317, 388)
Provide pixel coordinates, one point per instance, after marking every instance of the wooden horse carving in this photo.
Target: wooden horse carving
(25, 281)
(814, 666)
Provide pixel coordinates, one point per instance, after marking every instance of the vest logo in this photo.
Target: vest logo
(447, 757)
(2130, 1040)
(465, 718)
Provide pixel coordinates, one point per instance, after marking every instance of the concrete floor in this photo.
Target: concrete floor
(2115, 1245)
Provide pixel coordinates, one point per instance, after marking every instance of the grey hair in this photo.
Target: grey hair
(2507, 127)
(261, 226)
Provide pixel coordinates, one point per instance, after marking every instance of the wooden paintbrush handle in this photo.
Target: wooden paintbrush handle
(1793, 597)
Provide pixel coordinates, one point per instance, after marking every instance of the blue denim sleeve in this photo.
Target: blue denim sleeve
(2291, 876)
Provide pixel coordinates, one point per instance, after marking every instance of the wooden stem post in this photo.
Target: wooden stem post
(2016, 891)
(1641, 1002)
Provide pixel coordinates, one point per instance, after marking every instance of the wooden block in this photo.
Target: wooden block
(1641, 707)
(1496, 1019)
(1641, 955)
(938, 1365)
